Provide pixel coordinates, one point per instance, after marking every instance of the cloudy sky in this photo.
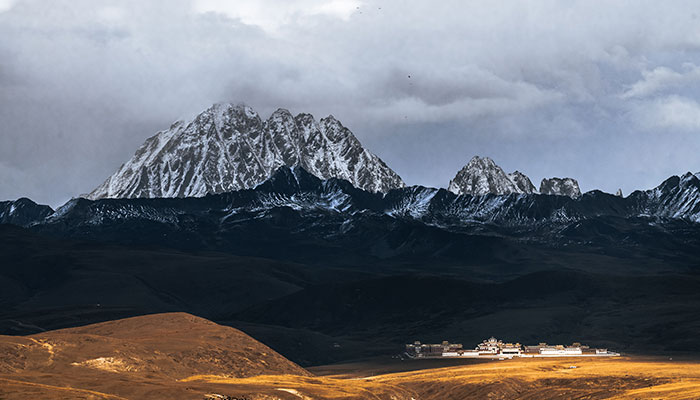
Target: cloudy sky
(607, 92)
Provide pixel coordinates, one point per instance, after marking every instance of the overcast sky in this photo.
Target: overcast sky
(607, 92)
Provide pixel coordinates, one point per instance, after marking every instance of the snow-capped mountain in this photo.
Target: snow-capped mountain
(336, 202)
(294, 199)
(676, 197)
(482, 176)
(229, 147)
(560, 187)
(522, 182)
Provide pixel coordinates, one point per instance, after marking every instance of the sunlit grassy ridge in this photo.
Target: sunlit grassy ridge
(569, 378)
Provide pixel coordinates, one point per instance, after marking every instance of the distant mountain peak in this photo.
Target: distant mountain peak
(238, 107)
(229, 147)
(22, 211)
(522, 182)
(690, 177)
(560, 187)
(483, 176)
(676, 197)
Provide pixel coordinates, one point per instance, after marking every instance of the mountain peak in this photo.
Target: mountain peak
(222, 116)
(282, 113)
(689, 176)
(675, 197)
(560, 187)
(522, 182)
(224, 106)
(22, 211)
(228, 147)
(482, 176)
(223, 109)
(482, 161)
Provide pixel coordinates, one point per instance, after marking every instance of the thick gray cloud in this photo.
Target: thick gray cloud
(606, 92)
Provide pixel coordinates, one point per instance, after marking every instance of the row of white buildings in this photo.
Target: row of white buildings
(494, 348)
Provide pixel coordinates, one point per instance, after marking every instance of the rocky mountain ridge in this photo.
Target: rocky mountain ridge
(22, 211)
(483, 176)
(229, 147)
(297, 189)
(560, 187)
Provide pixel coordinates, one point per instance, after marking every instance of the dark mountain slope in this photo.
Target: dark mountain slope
(22, 212)
(319, 262)
(52, 283)
(625, 312)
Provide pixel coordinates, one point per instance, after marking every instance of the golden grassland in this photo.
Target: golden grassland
(619, 378)
(563, 378)
(312, 387)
